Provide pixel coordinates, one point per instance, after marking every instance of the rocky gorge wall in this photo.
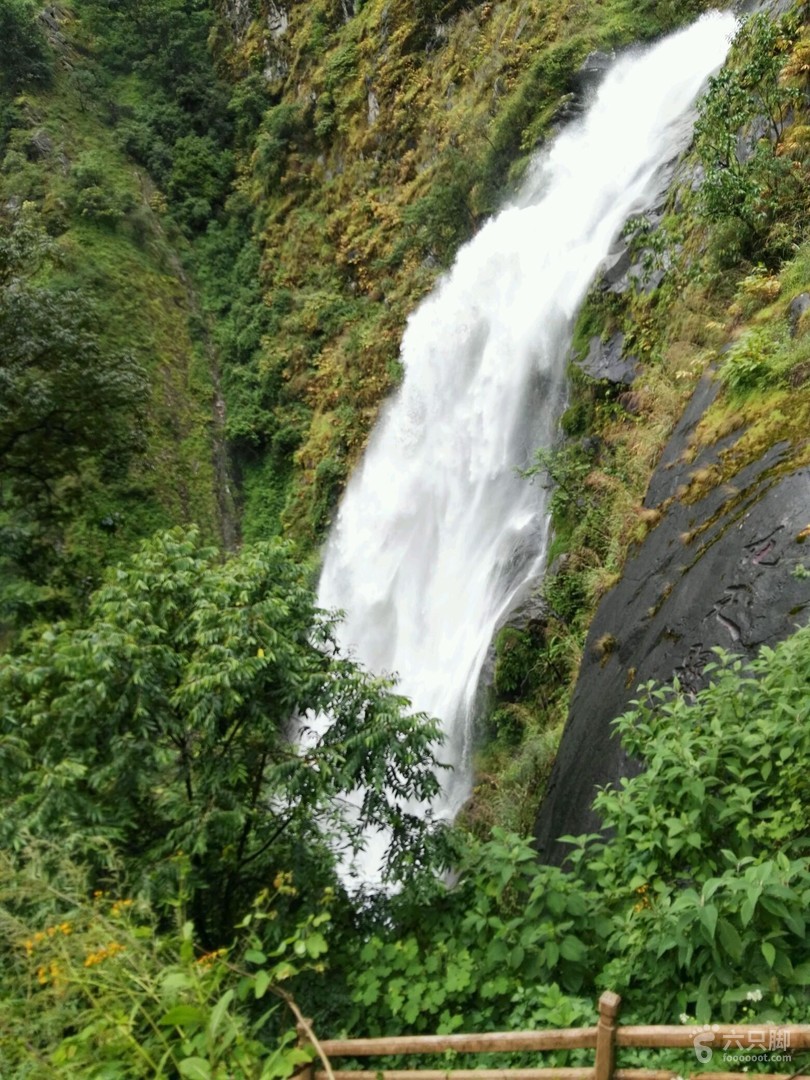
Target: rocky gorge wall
(727, 510)
(722, 570)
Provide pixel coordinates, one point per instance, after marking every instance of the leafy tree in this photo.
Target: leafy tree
(62, 397)
(749, 181)
(24, 55)
(163, 724)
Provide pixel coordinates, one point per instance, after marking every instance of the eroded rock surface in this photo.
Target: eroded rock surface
(724, 568)
(607, 360)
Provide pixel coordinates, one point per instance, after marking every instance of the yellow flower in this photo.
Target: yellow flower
(282, 883)
(260, 653)
(207, 959)
(103, 953)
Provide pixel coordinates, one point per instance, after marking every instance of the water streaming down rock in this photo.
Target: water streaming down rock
(437, 537)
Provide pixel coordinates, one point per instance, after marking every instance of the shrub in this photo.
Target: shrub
(93, 986)
(24, 54)
(752, 363)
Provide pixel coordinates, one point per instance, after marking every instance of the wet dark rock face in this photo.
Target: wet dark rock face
(607, 360)
(717, 571)
(798, 306)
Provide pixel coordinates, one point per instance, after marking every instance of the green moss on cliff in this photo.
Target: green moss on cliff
(389, 136)
(112, 244)
(716, 308)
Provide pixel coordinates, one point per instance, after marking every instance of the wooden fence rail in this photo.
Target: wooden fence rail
(604, 1039)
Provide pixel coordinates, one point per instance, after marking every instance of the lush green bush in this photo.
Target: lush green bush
(752, 189)
(753, 362)
(24, 53)
(93, 987)
(174, 699)
(695, 905)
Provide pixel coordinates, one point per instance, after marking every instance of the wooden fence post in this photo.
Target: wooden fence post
(606, 1035)
(306, 1072)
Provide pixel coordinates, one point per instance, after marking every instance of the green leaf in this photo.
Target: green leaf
(769, 952)
(730, 939)
(556, 903)
(218, 1012)
(747, 909)
(195, 1068)
(571, 948)
(708, 919)
(576, 905)
(702, 1004)
(516, 957)
(316, 945)
(261, 983)
(188, 1016)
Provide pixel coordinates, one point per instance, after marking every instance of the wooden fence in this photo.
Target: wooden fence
(604, 1039)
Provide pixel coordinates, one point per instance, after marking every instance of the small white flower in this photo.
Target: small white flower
(754, 995)
(684, 1019)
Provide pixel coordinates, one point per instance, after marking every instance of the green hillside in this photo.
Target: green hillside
(214, 223)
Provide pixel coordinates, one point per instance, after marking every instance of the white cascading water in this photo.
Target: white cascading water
(438, 537)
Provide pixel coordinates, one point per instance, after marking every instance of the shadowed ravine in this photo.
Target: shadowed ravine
(438, 538)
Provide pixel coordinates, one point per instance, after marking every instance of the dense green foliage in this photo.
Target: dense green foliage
(262, 220)
(173, 701)
(752, 187)
(24, 55)
(696, 905)
(698, 899)
(178, 127)
(67, 404)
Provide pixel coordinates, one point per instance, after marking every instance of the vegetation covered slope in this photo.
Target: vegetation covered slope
(388, 133)
(734, 245)
(169, 873)
(92, 279)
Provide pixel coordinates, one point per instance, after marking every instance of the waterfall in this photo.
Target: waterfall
(437, 537)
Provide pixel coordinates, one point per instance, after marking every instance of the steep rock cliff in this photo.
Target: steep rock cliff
(727, 509)
(722, 568)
